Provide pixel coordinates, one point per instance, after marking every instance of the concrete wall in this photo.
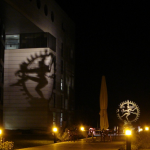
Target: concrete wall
(28, 79)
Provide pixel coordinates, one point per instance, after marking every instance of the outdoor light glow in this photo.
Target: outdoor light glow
(147, 128)
(55, 129)
(0, 131)
(82, 128)
(140, 129)
(128, 132)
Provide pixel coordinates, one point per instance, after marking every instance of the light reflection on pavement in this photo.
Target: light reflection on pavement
(80, 145)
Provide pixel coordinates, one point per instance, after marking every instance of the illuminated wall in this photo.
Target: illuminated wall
(28, 85)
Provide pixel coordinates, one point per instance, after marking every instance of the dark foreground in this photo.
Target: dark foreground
(30, 141)
(80, 145)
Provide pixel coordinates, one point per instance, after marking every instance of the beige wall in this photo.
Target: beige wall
(24, 107)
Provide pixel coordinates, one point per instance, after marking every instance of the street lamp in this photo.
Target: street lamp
(85, 132)
(146, 128)
(1, 135)
(82, 128)
(0, 132)
(128, 134)
(55, 130)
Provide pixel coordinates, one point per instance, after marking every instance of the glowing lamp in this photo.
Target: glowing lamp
(146, 128)
(140, 129)
(128, 132)
(0, 131)
(54, 129)
(82, 128)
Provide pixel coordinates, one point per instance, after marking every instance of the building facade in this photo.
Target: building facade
(37, 79)
(2, 47)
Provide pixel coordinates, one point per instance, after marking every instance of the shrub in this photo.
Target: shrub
(139, 141)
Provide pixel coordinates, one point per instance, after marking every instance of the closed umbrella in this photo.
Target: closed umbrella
(103, 105)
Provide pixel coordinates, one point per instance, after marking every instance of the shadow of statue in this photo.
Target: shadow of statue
(25, 73)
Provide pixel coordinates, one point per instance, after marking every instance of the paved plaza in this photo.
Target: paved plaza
(80, 145)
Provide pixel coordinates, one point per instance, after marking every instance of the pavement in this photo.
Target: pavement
(80, 145)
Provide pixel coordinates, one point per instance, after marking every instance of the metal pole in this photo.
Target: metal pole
(128, 143)
(55, 141)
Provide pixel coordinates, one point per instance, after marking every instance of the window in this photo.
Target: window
(52, 16)
(1, 77)
(66, 104)
(61, 84)
(12, 41)
(30, 40)
(68, 89)
(61, 119)
(62, 49)
(71, 54)
(54, 118)
(38, 2)
(33, 40)
(72, 82)
(62, 66)
(62, 26)
(62, 101)
(54, 83)
(52, 103)
(45, 10)
(54, 100)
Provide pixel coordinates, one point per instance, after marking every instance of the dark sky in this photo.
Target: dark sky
(112, 39)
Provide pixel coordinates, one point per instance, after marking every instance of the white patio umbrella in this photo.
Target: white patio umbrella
(103, 105)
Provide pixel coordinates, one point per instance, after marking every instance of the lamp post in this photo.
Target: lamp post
(146, 128)
(55, 130)
(1, 135)
(128, 134)
(82, 129)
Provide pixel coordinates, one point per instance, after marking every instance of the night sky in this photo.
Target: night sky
(112, 39)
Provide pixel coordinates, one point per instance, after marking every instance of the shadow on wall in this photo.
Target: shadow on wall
(39, 74)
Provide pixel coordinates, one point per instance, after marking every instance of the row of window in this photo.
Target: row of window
(69, 83)
(55, 119)
(38, 2)
(62, 104)
(30, 40)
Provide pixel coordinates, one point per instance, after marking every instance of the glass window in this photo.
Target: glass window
(62, 26)
(38, 2)
(54, 83)
(62, 66)
(52, 16)
(12, 41)
(62, 101)
(30, 40)
(72, 82)
(1, 77)
(52, 101)
(66, 104)
(45, 10)
(36, 40)
(54, 118)
(71, 54)
(68, 89)
(62, 49)
(61, 119)
(61, 84)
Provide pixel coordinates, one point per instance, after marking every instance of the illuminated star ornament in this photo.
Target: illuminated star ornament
(128, 111)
